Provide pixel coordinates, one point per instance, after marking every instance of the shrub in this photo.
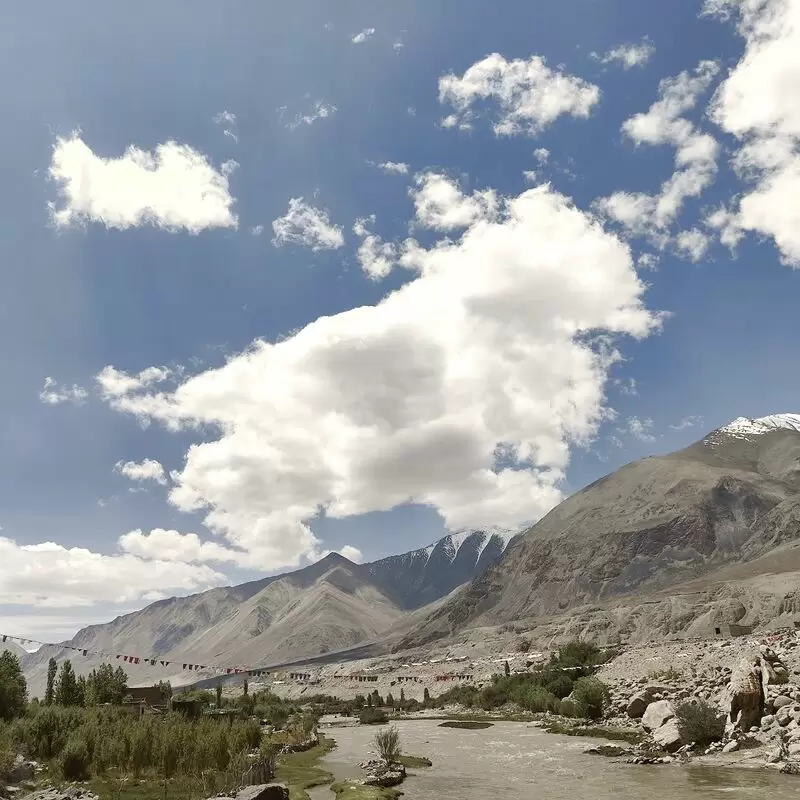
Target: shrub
(591, 697)
(372, 716)
(75, 760)
(387, 745)
(538, 699)
(523, 645)
(700, 722)
(567, 708)
(560, 685)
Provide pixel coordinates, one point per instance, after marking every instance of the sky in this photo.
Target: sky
(279, 281)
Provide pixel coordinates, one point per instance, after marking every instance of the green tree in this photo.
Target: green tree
(49, 694)
(219, 695)
(402, 697)
(81, 691)
(165, 687)
(245, 687)
(507, 669)
(67, 686)
(390, 700)
(13, 689)
(426, 695)
(106, 685)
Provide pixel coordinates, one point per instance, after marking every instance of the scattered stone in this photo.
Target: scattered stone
(731, 747)
(609, 750)
(781, 701)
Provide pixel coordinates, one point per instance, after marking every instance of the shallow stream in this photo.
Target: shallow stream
(513, 760)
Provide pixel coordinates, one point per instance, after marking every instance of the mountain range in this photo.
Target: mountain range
(331, 606)
(668, 545)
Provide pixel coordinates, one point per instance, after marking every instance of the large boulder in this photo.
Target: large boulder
(668, 736)
(637, 705)
(657, 714)
(745, 703)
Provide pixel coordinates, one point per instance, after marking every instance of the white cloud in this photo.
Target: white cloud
(257, 230)
(173, 188)
(362, 37)
(227, 120)
(530, 176)
(530, 95)
(641, 429)
(692, 244)
(52, 394)
(147, 470)
(647, 261)
(185, 548)
(398, 45)
(757, 103)
(688, 422)
(375, 256)
(463, 390)
(542, 155)
(321, 111)
(695, 157)
(626, 386)
(353, 553)
(629, 55)
(48, 575)
(396, 167)
(440, 204)
(725, 223)
(307, 226)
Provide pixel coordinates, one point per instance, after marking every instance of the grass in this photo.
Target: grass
(629, 735)
(412, 762)
(355, 791)
(109, 788)
(466, 724)
(299, 771)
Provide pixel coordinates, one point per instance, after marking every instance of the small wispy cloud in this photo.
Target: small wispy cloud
(53, 393)
(641, 429)
(228, 121)
(321, 110)
(394, 167)
(687, 422)
(307, 226)
(628, 55)
(362, 36)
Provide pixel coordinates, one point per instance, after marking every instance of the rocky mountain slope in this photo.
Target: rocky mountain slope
(329, 606)
(422, 576)
(631, 540)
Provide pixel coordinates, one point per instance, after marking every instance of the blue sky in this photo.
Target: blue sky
(513, 199)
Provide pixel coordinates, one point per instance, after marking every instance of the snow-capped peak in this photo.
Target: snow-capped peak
(747, 429)
(744, 428)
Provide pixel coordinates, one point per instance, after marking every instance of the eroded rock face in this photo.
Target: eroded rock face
(746, 696)
(657, 714)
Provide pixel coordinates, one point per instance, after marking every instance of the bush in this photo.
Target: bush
(523, 645)
(561, 685)
(372, 716)
(538, 699)
(567, 708)
(75, 760)
(700, 722)
(387, 745)
(591, 697)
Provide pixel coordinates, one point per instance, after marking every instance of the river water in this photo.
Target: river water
(512, 760)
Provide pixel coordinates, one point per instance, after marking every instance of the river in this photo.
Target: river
(513, 760)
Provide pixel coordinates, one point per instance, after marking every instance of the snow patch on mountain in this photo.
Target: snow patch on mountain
(745, 428)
